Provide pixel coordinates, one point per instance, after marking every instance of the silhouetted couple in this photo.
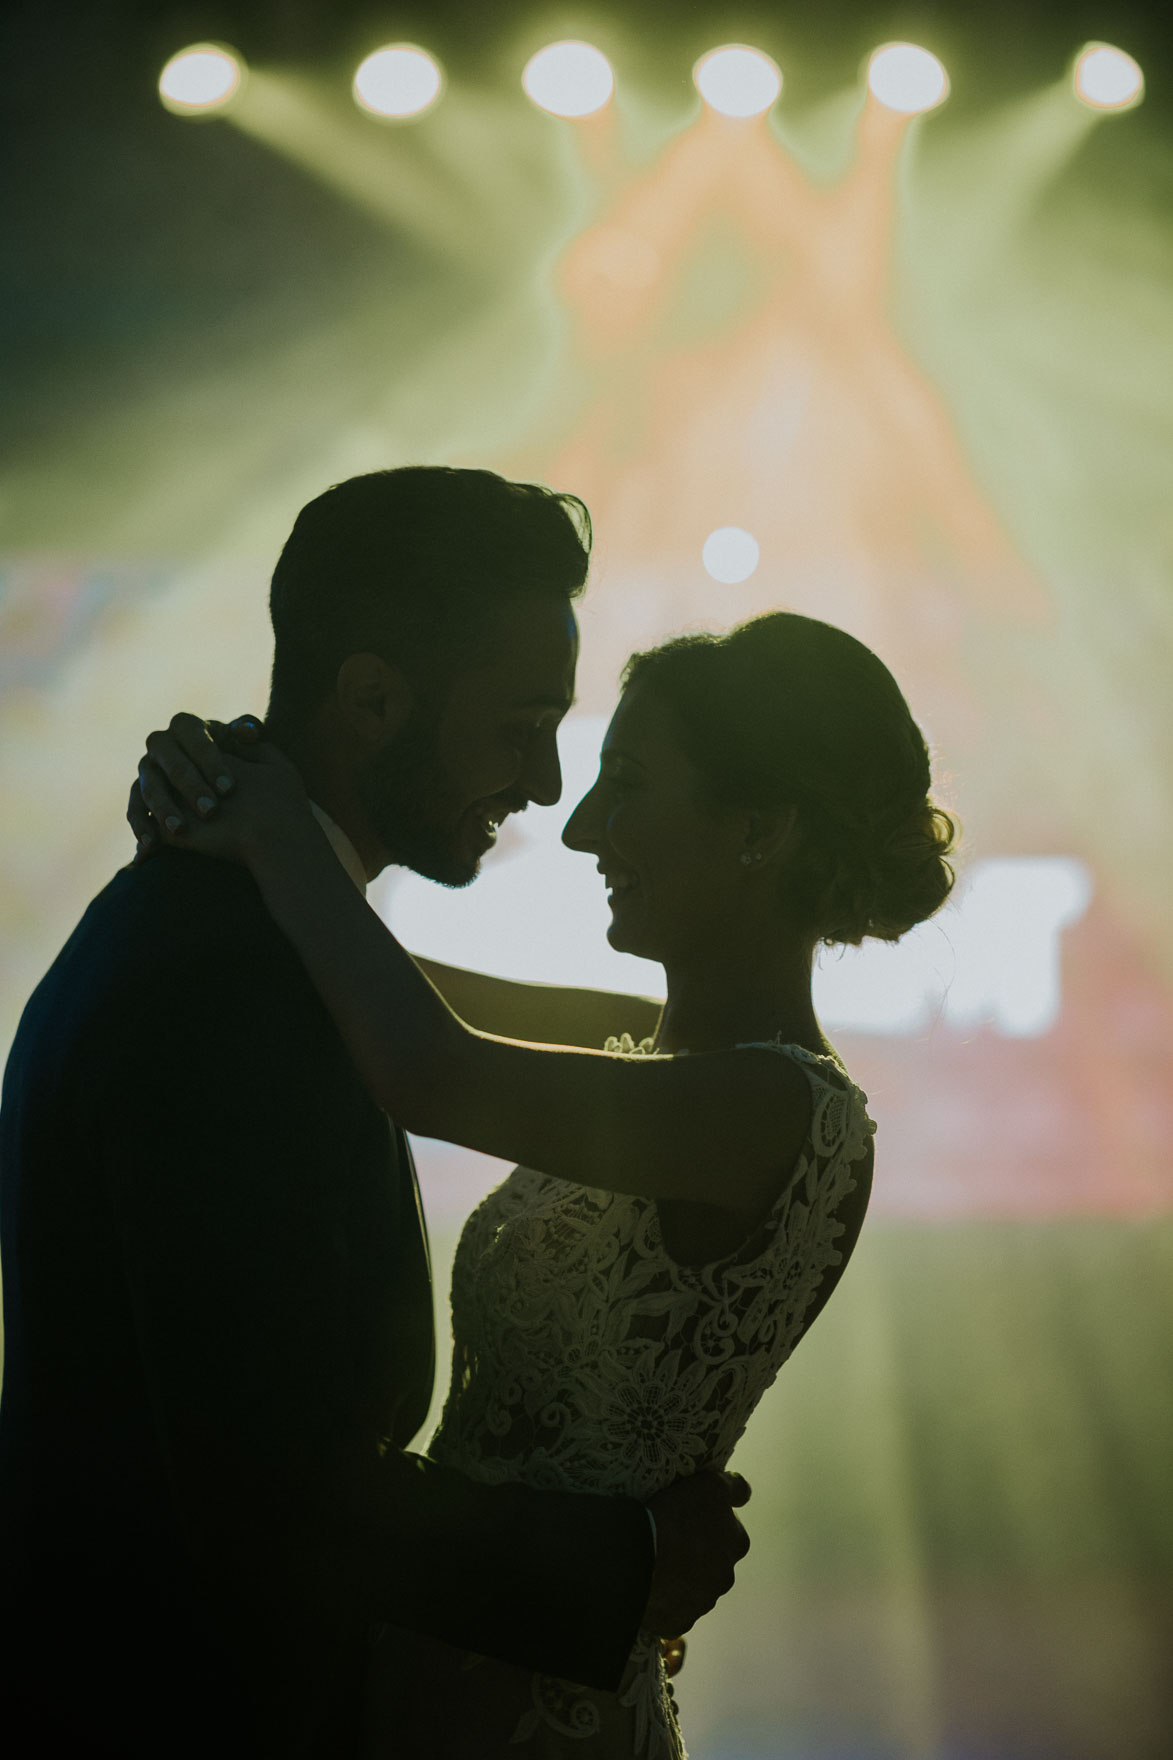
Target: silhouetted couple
(218, 1312)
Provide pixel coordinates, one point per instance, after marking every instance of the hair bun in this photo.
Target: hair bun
(877, 879)
(909, 876)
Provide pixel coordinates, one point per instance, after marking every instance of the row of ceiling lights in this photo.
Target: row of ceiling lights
(575, 79)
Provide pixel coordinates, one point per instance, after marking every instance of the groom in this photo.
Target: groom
(217, 1302)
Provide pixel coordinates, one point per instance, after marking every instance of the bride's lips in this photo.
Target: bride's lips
(620, 883)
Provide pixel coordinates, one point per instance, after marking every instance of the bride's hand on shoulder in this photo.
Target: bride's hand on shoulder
(220, 790)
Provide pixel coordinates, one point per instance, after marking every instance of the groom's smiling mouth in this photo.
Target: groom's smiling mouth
(487, 818)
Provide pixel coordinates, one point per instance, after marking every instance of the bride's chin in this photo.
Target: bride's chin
(626, 943)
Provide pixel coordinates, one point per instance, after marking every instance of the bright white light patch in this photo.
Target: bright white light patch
(907, 79)
(202, 78)
(539, 913)
(1107, 78)
(1011, 916)
(992, 957)
(730, 554)
(397, 81)
(569, 79)
(737, 81)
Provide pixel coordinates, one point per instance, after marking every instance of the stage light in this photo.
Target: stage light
(568, 79)
(730, 555)
(737, 81)
(1107, 78)
(399, 80)
(200, 79)
(907, 79)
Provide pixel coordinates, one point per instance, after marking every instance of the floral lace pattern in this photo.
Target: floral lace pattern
(586, 1359)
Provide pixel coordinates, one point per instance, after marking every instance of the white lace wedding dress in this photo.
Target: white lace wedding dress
(586, 1359)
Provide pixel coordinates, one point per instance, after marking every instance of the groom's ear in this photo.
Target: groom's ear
(374, 698)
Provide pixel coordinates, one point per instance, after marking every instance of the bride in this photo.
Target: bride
(688, 1193)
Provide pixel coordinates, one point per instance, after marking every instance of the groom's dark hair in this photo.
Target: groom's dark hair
(410, 564)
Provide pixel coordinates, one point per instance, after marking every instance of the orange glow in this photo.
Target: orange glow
(797, 408)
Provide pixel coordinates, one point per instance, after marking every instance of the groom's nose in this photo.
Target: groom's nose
(542, 776)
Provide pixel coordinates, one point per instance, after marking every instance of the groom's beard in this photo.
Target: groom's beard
(413, 808)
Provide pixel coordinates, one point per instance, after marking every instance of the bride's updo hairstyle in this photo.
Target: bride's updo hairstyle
(785, 710)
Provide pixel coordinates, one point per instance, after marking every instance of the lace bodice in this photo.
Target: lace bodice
(586, 1359)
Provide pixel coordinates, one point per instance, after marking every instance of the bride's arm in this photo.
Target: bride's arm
(542, 1014)
(720, 1128)
(717, 1128)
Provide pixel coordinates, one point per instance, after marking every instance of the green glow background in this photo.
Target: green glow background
(963, 1546)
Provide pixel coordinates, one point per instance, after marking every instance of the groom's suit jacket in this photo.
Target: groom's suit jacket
(218, 1341)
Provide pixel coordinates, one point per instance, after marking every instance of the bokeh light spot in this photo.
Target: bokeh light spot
(568, 79)
(730, 554)
(737, 81)
(1107, 78)
(906, 78)
(399, 80)
(201, 78)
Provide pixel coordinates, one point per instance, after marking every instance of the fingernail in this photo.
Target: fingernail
(146, 840)
(206, 804)
(223, 783)
(173, 824)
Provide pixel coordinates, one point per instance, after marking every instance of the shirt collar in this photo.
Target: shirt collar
(342, 847)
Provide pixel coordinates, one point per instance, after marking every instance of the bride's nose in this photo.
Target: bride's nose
(583, 829)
